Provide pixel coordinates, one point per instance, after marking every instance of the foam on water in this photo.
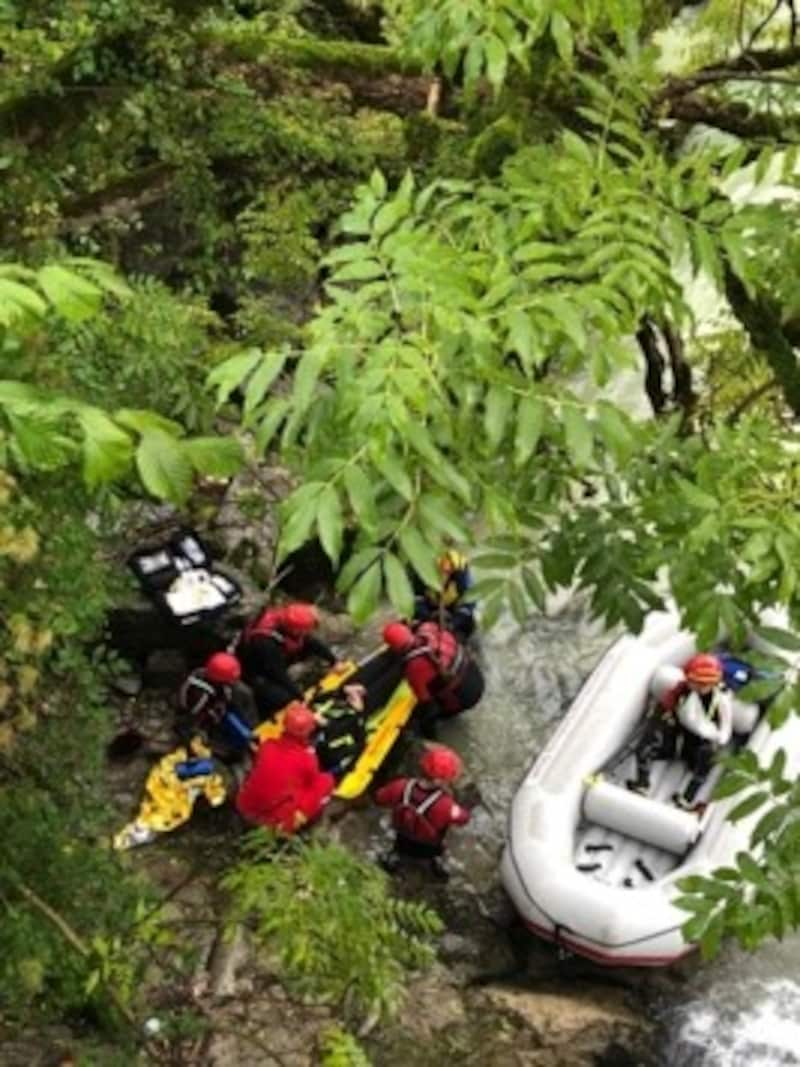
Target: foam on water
(751, 1024)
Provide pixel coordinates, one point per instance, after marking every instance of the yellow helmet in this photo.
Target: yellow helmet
(452, 561)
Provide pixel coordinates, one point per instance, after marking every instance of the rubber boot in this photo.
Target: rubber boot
(686, 799)
(638, 785)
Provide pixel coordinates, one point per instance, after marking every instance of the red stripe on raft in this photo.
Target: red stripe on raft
(603, 957)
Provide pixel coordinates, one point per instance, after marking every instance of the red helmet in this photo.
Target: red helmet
(299, 721)
(442, 763)
(299, 618)
(398, 636)
(703, 669)
(223, 668)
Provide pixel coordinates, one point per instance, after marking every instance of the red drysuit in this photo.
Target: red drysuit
(285, 788)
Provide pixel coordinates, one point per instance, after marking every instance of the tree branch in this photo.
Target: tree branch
(75, 941)
(735, 118)
(654, 365)
(760, 317)
(749, 63)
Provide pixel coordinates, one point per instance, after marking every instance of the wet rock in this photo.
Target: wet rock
(246, 524)
(574, 1027)
(165, 668)
(127, 685)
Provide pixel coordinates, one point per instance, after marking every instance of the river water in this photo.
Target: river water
(742, 1010)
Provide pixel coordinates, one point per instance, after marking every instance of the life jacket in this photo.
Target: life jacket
(268, 624)
(673, 698)
(410, 816)
(202, 700)
(443, 649)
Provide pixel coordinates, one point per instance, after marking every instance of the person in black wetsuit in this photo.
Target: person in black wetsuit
(270, 644)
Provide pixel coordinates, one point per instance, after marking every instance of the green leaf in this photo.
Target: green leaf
(164, 467)
(231, 374)
(301, 513)
(107, 450)
(361, 496)
(562, 35)
(750, 869)
(534, 587)
(390, 214)
(522, 338)
(363, 597)
(18, 300)
(780, 638)
(219, 457)
(712, 937)
(442, 515)
(769, 823)
(578, 435)
(421, 555)
(361, 270)
(72, 296)
(485, 561)
(306, 376)
(530, 423)
(496, 61)
(747, 806)
(377, 184)
(330, 523)
(697, 497)
(398, 585)
(141, 421)
(760, 689)
(355, 567)
(519, 604)
(265, 373)
(393, 471)
(499, 406)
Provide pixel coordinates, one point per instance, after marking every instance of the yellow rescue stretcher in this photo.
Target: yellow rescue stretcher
(383, 727)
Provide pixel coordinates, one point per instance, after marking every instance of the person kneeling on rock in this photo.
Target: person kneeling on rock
(423, 810)
(286, 788)
(444, 677)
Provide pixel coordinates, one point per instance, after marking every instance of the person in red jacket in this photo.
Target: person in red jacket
(286, 788)
(444, 677)
(270, 644)
(423, 810)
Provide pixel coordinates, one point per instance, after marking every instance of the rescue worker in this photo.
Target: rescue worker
(694, 721)
(423, 810)
(214, 705)
(442, 674)
(448, 605)
(270, 644)
(286, 788)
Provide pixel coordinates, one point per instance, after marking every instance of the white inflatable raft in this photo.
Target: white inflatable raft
(589, 864)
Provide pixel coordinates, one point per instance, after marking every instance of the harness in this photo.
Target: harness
(200, 697)
(408, 816)
(449, 661)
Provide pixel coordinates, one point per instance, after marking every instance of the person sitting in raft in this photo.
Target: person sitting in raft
(423, 810)
(286, 788)
(448, 605)
(270, 644)
(694, 720)
(214, 705)
(442, 674)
